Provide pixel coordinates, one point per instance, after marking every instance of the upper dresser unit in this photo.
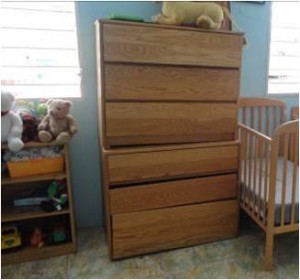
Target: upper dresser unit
(165, 84)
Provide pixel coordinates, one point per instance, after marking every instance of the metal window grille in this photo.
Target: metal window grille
(39, 49)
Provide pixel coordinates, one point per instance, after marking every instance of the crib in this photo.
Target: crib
(268, 177)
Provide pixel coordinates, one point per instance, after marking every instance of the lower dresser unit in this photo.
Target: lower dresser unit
(154, 230)
(170, 196)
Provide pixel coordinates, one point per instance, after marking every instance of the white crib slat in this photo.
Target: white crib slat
(285, 140)
(296, 146)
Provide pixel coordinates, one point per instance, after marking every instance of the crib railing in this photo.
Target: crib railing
(255, 162)
(287, 188)
(262, 114)
(262, 160)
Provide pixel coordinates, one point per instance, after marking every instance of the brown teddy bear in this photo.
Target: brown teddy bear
(58, 124)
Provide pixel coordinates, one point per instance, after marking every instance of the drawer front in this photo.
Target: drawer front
(174, 193)
(141, 44)
(155, 230)
(148, 166)
(132, 123)
(156, 83)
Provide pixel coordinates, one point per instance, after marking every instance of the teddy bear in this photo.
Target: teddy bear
(11, 123)
(207, 15)
(58, 124)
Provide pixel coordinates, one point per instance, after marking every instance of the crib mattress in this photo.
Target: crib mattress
(252, 188)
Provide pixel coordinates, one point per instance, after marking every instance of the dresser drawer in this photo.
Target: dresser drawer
(133, 123)
(152, 44)
(182, 163)
(173, 193)
(149, 231)
(157, 83)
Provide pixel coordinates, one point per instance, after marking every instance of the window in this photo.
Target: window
(284, 49)
(39, 49)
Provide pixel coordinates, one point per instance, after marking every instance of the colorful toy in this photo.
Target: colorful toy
(59, 233)
(10, 237)
(36, 239)
(58, 197)
(58, 124)
(125, 18)
(11, 123)
(30, 125)
(41, 109)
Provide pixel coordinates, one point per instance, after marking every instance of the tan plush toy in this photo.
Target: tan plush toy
(58, 124)
(207, 15)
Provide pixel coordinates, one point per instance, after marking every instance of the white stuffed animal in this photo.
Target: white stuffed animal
(11, 123)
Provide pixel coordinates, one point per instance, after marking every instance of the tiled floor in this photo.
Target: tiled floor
(240, 257)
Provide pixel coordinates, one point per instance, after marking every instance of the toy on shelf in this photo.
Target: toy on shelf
(35, 161)
(58, 234)
(57, 197)
(11, 123)
(30, 198)
(10, 237)
(207, 15)
(58, 124)
(30, 124)
(126, 18)
(37, 238)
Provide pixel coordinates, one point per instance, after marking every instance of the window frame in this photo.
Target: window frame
(267, 94)
(81, 90)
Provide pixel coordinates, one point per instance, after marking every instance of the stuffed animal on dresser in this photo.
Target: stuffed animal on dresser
(202, 14)
(11, 123)
(58, 124)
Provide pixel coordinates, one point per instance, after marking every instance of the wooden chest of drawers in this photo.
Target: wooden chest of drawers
(167, 123)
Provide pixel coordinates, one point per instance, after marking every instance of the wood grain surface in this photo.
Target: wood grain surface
(141, 44)
(155, 230)
(131, 123)
(170, 83)
(173, 193)
(148, 166)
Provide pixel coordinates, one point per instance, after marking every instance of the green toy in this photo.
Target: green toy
(57, 197)
(125, 18)
(41, 109)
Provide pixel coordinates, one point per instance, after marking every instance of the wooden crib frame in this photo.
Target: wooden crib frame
(264, 134)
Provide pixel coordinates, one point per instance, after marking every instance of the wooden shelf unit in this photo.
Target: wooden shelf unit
(14, 214)
(52, 176)
(10, 214)
(31, 254)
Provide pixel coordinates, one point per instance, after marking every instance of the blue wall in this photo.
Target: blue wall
(252, 18)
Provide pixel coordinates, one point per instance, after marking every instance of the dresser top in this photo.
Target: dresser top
(154, 25)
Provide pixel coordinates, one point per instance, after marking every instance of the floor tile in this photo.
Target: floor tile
(174, 261)
(93, 265)
(52, 268)
(92, 239)
(240, 257)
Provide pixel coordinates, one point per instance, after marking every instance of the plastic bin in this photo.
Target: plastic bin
(36, 166)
